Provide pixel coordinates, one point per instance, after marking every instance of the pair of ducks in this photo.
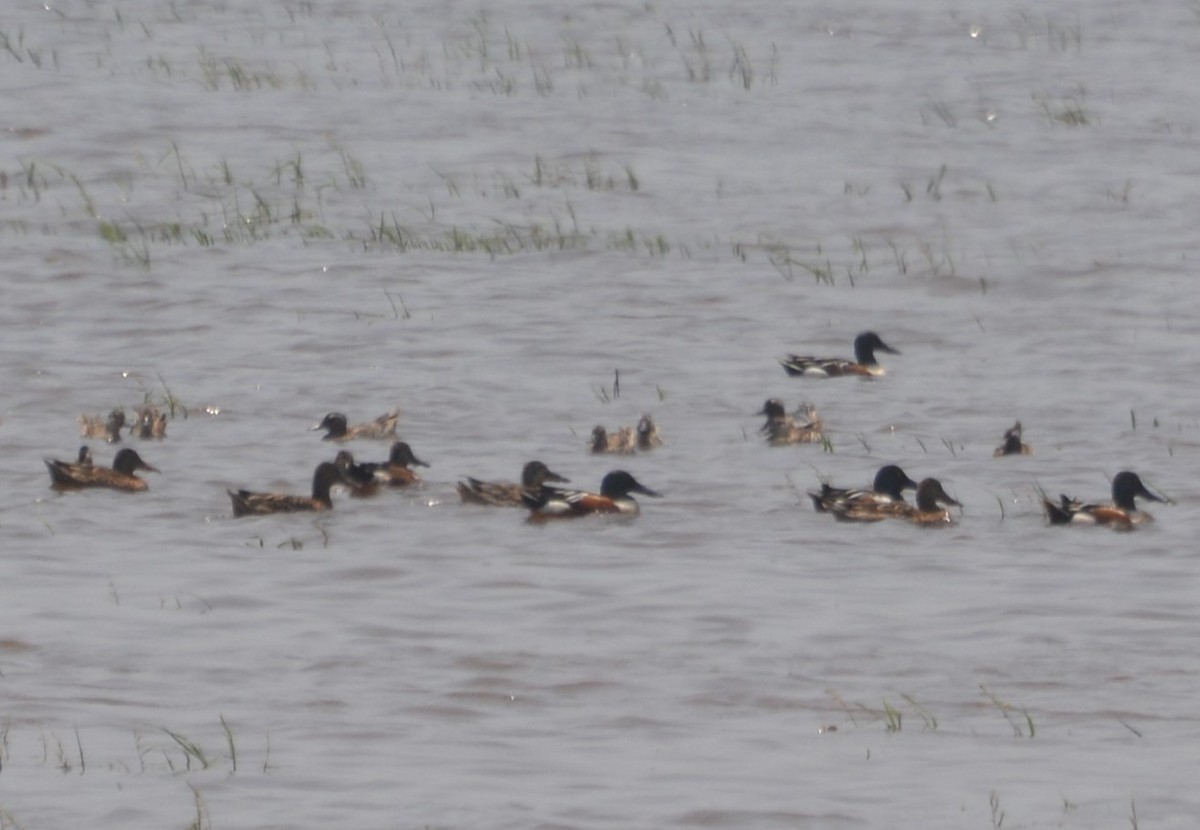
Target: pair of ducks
(885, 500)
(626, 440)
(361, 479)
(83, 472)
(148, 422)
(545, 502)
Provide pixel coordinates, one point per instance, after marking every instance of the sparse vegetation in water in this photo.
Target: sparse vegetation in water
(1023, 726)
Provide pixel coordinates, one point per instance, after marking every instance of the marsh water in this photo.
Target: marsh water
(262, 212)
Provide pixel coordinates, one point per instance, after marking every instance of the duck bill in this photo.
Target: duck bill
(1146, 494)
(646, 491)
(550, 475)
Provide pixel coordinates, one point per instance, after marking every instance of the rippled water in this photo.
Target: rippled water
(271, 211)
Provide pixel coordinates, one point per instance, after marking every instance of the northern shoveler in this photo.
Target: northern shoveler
(890, 482)
(1121, 514)
(508, 493)
(337, 428)
(100, 426)
(647, 434)
(359, 478)
(396, 472)
(149, 422)
(930, 508)
(864, 363)
(781, 428)
(1012, 444)
(83, 473)
(623, 442)
(927, 511)
(327, 474)
(614, 498)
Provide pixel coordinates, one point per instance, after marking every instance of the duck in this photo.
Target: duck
(1012, 444)
(863, 365)
(782, 429)
(622, 442)
(83, 473)
(889, 484)
(359, 478)
(614, 498)
(929, 508)
(149, 423)
(338, 429)
(1120, 514)
(507, 493)
(247, 503)
(99, 426)
(396, 472)
(647, 434)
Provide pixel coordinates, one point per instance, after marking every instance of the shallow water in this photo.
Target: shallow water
(275, 211)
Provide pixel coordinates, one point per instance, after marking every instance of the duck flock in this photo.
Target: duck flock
(539, 492)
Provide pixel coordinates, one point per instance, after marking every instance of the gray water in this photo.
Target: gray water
(478, 213)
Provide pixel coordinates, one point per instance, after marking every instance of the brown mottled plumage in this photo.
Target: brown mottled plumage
(107, 427)
(337, 428)
(507, 493)
(83, 473)
(247, 503)
(782, 429)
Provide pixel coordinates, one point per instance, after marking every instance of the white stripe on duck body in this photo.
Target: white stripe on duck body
(615, 498)
(928, 510)
(534, 476)
(397, 470)
(800, 427)
(1121, 514)
(863, 365)
(888, 487)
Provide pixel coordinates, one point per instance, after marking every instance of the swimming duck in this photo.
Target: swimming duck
(647, 434)
(781, 428)
(327, 474)
(1121, 514)
(930, 508)
(395, 471)
(98, 426)
(337, 428)
(864, 363)
(889, 484)
(1012, 444)
(508, 493)
(149, 423)
(927, 511)
(360, 478)
(83, 473)
(614, 498)
(623, 442)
